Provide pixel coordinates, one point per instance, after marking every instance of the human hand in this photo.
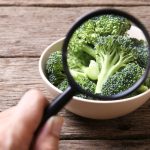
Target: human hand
(18, 125)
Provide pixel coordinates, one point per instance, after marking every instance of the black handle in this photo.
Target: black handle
(57, 104)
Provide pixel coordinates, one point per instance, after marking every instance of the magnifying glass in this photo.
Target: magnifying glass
(103, 57)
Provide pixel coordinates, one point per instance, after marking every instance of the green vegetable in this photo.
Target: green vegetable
(63, 85)
(83, 81)
(54, 68)
(112, 54)
(122, 80)
(141, 50)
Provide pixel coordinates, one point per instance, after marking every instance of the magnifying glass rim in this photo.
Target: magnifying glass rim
(76, 25)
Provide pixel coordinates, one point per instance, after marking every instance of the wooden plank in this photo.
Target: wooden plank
(72, 2)
(133, 126)
(105, 144)
(27, 31)
(19, 74)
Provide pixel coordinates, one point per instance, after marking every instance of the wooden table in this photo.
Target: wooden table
(26, 29)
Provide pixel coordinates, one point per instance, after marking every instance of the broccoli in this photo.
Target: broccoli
(63, 85)
(112, 54)
(141, 51)
(111, 25)
(122, 80)
(57, 77)
(81, 79)
(54, 68)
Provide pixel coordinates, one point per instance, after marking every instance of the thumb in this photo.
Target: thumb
(48, 138)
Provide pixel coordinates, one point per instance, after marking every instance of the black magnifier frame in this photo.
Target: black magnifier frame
(79, 22)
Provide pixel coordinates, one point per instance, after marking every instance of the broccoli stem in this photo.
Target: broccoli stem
(110, 64)
(75, 73)
(88, 50)
(93, 70)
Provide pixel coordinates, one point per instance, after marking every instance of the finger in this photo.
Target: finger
(7, 112)
(48, 139)
(6, 115)
(29, 112)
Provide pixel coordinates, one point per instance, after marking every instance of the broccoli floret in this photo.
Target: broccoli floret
(112, 25)
(63, 85)
(83, 81)
(80, 79)
(112, 54)
(54, 68)
(141, 51)
(76, 61)
(122, 80)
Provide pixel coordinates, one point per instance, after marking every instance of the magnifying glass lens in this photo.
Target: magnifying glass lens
(107, 55)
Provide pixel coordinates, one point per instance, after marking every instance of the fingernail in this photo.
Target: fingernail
(54, 125)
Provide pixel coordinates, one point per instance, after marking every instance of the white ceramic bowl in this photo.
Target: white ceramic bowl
(95, 109)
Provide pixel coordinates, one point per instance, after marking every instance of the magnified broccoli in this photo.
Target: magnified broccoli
(102, 58)
(122, 80)
(83, 81)
(112, 54)
(85, 38)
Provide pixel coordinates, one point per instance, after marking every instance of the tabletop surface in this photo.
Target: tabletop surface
(26, 29)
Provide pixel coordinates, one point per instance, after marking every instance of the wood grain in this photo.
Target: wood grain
(72, 2)
(17, 75)
(105, 144)
(27, 31)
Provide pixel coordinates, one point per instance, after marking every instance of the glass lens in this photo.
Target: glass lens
(108, 55)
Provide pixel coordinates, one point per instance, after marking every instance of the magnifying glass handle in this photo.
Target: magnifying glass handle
(57, 104)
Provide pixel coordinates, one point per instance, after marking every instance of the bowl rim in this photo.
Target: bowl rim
(75, 97)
